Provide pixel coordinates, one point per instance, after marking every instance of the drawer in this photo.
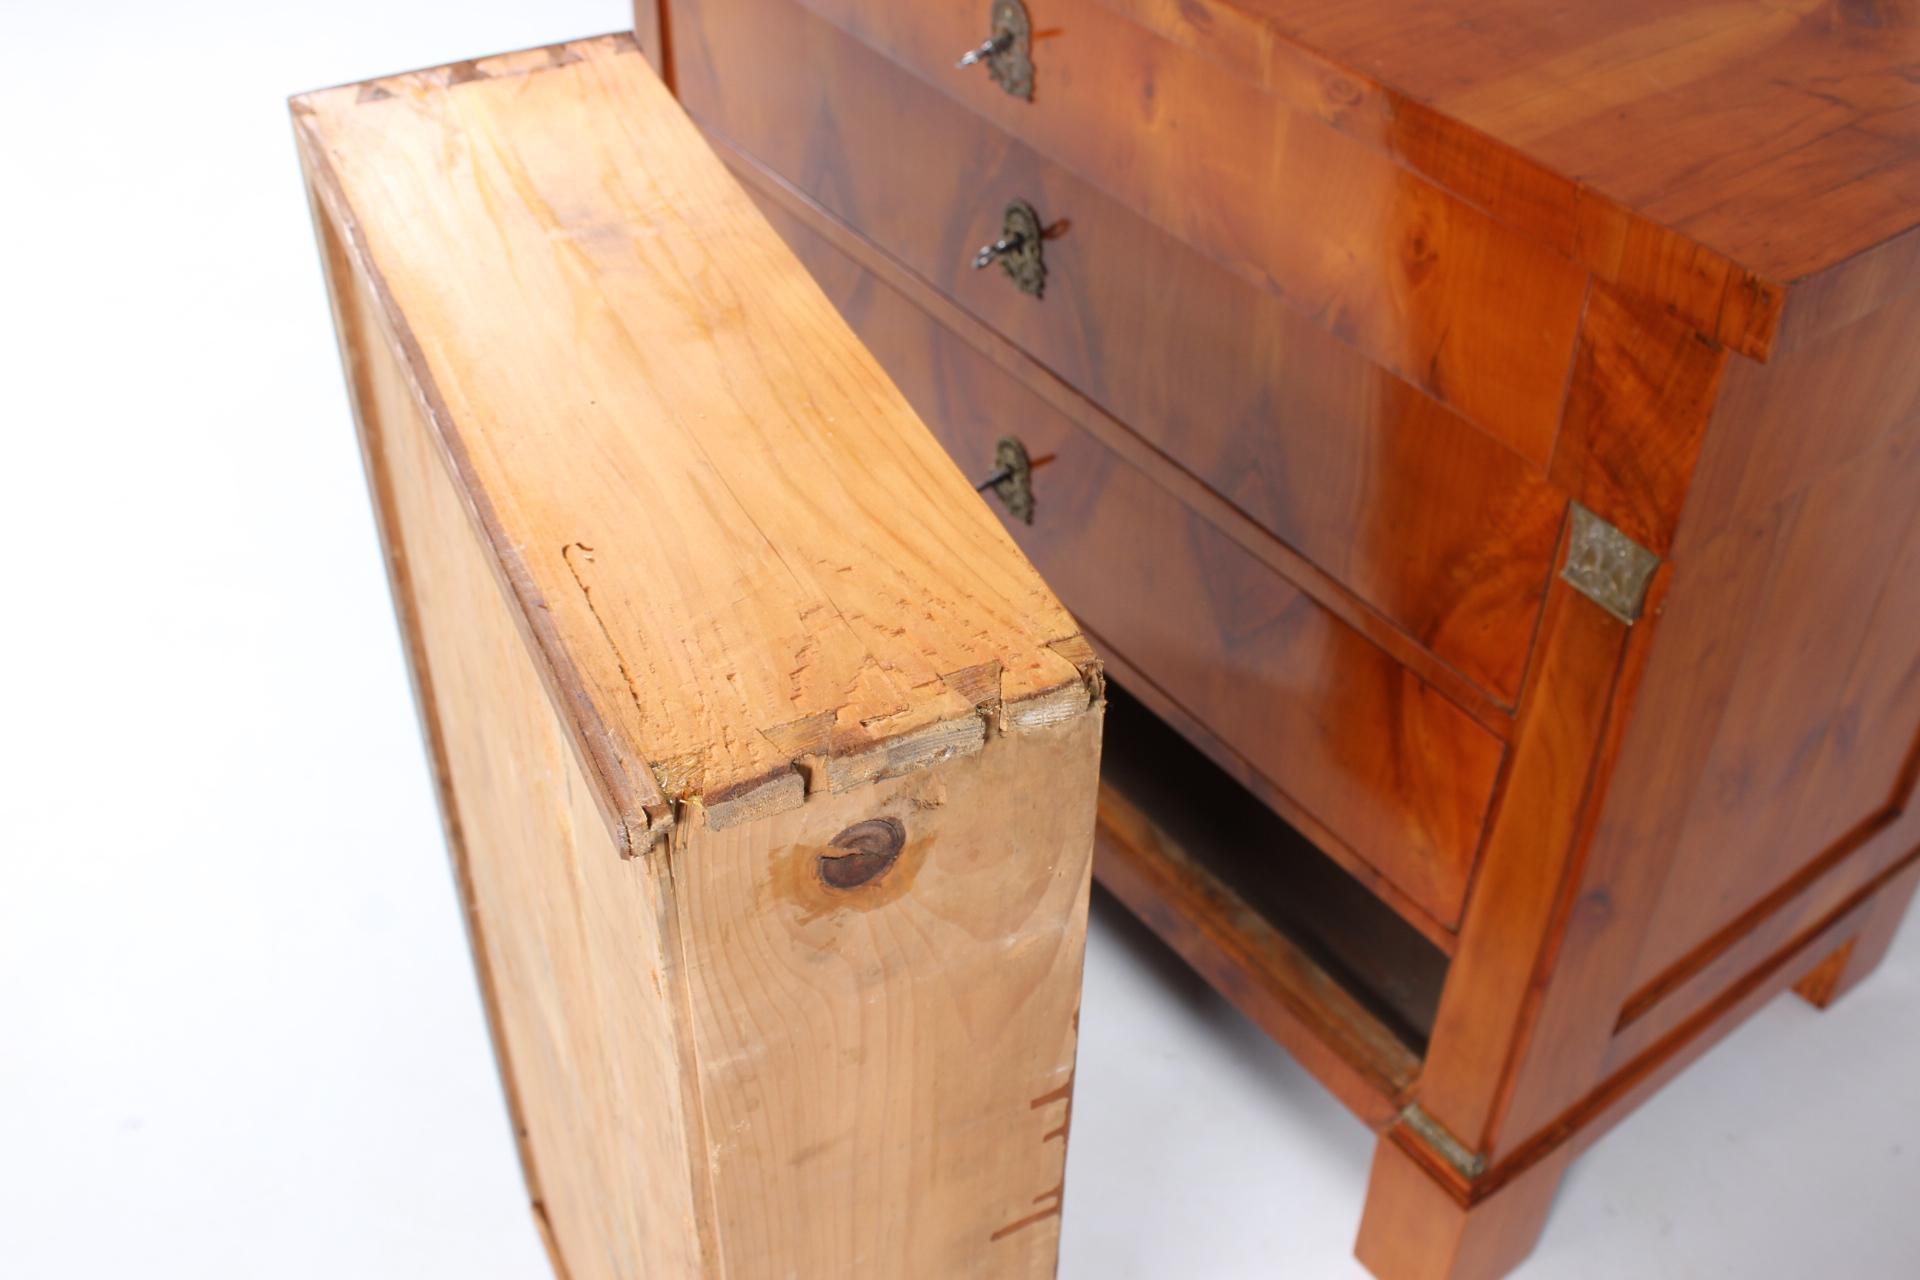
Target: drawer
(1391, 777)
(1422, 281)
(775, 850)
(1425, 516)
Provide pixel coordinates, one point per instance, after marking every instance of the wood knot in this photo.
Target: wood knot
(871, 847)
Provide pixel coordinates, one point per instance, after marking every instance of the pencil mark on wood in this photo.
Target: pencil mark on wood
(1064, 1095)
(1051, 1198)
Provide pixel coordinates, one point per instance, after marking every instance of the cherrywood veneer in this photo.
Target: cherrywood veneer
(1320, 445)
(1400, 792)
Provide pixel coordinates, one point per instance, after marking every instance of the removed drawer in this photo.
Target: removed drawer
(768, 763)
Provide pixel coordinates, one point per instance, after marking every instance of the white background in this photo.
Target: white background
(239, 1036)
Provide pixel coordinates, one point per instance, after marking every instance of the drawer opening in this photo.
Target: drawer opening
(1286, 934)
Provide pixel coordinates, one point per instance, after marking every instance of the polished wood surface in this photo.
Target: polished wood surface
(1802, 755)
(1638, 403)
(1751, 166)
(1419, 1225)
(1511, 930)
(1756, 799)
(1663, 260)
(1819, 725)
(1422, 282)
(1402, 788)
(1781, 711)
(1755, 784)
(1322, 447)
(1782, 135)
(829, 1037)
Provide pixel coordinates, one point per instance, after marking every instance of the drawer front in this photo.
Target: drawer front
(1399, 777)
(1443, 529)
(1420, 280)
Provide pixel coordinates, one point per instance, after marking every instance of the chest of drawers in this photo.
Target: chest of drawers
(1486, 432)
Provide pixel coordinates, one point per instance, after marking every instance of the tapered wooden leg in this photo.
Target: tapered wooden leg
(1861, 954)
(1416, 1227)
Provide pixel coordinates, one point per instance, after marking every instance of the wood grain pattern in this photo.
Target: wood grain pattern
(1642, 393)
(1299, 822)
(1419, 280)
(1831, 886)
(1401, 777)
(1824, 708)
(827, 1037)
(1784, 424)
(1710, 212)
(1330, 452)
(1782, 135)
(1752, 166)
(1442, 1225)
(1645, 260)
(667, 421)
(886, 1072)
(521, 819)
(1763, 765)
(1535, 841)
(1615, 1097)
(801, 219)
(1679, 684)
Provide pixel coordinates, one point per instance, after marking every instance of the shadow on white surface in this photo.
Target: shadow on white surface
(1200, 1149)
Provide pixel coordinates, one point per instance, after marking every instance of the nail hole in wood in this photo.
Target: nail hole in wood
(871, 847)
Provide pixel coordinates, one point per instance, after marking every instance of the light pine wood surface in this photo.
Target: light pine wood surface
(642, 496)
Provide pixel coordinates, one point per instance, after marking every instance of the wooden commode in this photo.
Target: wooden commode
(1482, 438)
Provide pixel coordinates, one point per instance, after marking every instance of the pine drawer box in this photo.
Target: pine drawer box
(1486, 432)
(768, 762)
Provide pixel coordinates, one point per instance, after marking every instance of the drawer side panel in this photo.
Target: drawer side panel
(569, 937)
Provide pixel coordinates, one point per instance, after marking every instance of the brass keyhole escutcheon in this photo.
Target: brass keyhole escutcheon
(1008, 49)
(1012, 478)
(868, 849)
(1019, 249)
